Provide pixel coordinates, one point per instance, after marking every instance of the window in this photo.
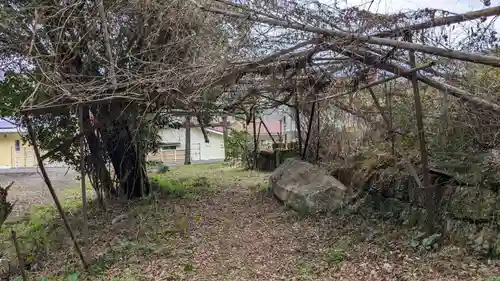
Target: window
(168, 147)
(18, 145)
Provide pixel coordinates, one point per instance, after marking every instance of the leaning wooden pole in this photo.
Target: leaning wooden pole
(297, 122)
(255, 139)
(20, 257)
(436, 22)
(424, 155)
(82, 181)
(309, 129)
(459, 55)
(318, 141)
(267, 130)
(53, 193)
(407, 161)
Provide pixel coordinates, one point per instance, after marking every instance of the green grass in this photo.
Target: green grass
(190, 181)
(41, 232)
(335, 256)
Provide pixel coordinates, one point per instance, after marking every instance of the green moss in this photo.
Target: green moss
(474, 203)
(335, 256)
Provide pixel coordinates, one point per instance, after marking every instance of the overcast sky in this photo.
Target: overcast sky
(392, 6)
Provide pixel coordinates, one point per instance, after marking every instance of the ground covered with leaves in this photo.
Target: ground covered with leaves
(214, 222)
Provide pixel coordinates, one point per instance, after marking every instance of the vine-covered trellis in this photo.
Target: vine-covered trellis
(100, 77)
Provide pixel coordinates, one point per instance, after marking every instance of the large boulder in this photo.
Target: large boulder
(307, 188)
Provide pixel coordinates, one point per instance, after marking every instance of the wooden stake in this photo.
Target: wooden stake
(424, 155)
(267, 129)
(255, 139)
(318, 141)
(388, 105)
(226, 135)
(82, 182)
(20, 257)
(53, 194)
(297, 122)
(401, 151)
(309, 128)
(187, 152)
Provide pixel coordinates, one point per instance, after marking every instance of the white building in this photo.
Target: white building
(173, 146)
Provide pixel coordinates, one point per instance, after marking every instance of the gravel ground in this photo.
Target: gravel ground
(30, 189)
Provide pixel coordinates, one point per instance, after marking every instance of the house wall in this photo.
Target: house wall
(214, 150)
(11, 158)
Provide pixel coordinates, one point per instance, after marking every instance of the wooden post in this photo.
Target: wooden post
(267, 129)
(225, 135)
(82, 182)
(20, 257)
(255, 140)
(309, 128)
(297, 122)
(187, 152)
(318, 141)
(388, 105)
(285, 138)
(408, 163)
(431, 208)
(54, 195)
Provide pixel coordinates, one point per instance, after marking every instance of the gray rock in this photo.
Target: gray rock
(119, 218)
(307, 188)
(474, 203)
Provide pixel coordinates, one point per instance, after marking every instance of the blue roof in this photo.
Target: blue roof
(6, 123)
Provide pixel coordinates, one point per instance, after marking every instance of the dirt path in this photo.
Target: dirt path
(29, 188)
(243, 235)
(240, 233)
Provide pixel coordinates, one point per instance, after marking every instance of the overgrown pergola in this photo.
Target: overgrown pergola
(104, 75)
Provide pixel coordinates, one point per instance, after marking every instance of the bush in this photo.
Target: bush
(162, 168)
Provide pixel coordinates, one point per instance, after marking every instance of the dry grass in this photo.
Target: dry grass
(228, 229)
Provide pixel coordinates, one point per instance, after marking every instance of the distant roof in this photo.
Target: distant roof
(216, 130)
(6, 123)
(274, 127)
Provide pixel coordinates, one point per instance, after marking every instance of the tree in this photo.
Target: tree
(120, 66)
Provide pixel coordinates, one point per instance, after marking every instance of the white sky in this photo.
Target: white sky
(388, 6)
(392, 6)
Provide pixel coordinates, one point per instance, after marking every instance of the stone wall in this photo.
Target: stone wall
(269, 160)
(471, 214)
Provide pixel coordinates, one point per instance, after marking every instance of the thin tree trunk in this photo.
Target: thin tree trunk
(187, 152)
(267, 129)
(20, 256)
(255, 139)
(97, 157)
(226, 136)
(309, 129)
(82, 179)
(318, 141)
(407, 161)
(424, 155)
(297, 122)
(53, 193)
(388, 105)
